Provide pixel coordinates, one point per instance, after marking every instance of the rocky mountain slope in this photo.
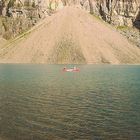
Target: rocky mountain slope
(16, 16)
(72, 36)
(64, 39)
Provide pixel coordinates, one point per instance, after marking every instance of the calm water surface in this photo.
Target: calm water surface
(40, 102)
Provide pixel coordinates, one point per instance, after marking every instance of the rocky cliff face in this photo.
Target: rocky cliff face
(17, 16)
(117, 12)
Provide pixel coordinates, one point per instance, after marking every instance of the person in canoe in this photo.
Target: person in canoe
(74, 68)
(64, 68)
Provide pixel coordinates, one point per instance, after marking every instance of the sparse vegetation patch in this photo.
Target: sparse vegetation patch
(67, 51)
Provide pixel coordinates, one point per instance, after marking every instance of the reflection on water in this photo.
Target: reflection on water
(40, 102)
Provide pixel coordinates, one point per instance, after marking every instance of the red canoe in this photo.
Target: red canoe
(71, 70)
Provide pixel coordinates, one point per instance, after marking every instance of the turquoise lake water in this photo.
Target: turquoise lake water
(40, 102)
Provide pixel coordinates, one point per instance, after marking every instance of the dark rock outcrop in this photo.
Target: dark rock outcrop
(137, 20)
